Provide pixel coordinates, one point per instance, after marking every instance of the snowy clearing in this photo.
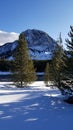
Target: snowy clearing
(36, 107)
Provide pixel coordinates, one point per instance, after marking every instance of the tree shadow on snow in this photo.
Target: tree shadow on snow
(35, 113)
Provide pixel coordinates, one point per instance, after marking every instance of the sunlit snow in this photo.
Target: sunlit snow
(34, 107)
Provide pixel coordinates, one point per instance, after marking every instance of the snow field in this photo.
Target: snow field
(34, 107)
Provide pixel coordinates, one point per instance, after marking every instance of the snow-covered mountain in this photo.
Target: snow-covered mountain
(7, 50)
(40, 44)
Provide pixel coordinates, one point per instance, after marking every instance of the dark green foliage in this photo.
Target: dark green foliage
(70, 50)
(48, 76)
(68, 86)
(40, 65)
(23, 71)
(69, 68)
(59, 62)
(55, 70)
(69, 100)
(67, 90)
(70, 42)
(57, 66)
(5, 65)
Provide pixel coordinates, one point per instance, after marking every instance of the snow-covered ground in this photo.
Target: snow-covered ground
(36, 107)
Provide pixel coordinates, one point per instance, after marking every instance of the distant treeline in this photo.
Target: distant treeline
(39, 65)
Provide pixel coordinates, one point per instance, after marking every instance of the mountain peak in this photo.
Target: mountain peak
(40, 45)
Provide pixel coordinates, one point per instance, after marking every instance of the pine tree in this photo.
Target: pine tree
(69, 88)
(23, 71)
(70, 42)
(55, 70)
(48, 76)
(70, 50)
(58, 63)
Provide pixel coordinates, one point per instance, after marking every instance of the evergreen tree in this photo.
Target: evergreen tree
(48, 76)
(70, 41)
(69, 84)
(70, 51)
(55, 71)
(58, 63)
(23, 71)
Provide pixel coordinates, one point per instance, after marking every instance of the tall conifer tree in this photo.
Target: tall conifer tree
(69, 42)
(48, 76)
(23, 71)
(58, 63)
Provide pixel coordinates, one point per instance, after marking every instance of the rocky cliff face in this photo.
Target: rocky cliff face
(40, 44)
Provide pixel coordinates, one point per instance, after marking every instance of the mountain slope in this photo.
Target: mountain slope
(40, 44)
(7, 49)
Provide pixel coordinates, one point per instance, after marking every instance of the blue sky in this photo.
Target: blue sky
(51, 16)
